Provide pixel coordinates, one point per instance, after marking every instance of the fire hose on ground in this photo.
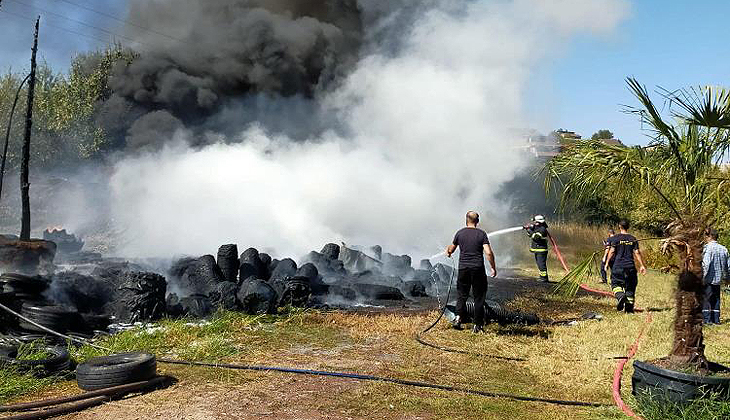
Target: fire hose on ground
(348, 375)
(92, 399)
(618, 372)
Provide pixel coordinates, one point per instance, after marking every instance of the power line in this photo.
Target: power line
(79, 22)
(54, 26)
(81, 6)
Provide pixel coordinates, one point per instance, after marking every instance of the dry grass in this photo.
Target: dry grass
(564, 362)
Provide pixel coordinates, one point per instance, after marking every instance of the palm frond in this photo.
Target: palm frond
(569, 285)
(584, 168)
(705, 106)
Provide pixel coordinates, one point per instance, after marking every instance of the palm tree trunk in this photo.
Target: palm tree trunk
(688, 348)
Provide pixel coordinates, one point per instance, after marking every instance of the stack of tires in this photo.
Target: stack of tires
(27, 295)
(23, 287)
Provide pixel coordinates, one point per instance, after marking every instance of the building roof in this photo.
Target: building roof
(612, 142)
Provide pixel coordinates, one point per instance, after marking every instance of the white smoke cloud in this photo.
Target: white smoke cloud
(431, 135)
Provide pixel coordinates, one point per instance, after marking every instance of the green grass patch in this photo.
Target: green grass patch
(224, 337)
(708, 408)
(35, 350)
(14, 384)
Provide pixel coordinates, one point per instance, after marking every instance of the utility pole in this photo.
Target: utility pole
(24, 182)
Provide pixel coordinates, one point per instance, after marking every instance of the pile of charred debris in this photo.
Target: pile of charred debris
(84, 293)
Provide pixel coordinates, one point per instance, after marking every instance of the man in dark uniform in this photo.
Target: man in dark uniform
(606, 249)
(623, 249)
(538, 232)
(473, 245)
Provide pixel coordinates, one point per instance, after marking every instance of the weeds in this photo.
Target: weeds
(707, 408)
(35, 350)
(14, 383)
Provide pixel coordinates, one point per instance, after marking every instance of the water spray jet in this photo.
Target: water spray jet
(490, 234)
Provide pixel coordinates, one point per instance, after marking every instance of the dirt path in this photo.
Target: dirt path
(269, 396)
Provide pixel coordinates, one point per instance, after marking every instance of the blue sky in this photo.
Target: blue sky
(672, 44)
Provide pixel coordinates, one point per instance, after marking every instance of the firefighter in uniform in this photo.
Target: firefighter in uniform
(622, 257)
(538, 232)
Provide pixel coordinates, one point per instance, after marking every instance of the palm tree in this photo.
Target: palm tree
(681, 168)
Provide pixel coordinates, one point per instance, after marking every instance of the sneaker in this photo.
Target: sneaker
(477, 329)
(456, 324)
(621, 303)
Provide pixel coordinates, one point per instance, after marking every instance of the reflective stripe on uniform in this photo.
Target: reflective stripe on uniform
(543, 273)
(537, 235)
(538, 250)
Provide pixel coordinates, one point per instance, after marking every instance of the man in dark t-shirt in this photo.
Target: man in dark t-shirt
(473, 245)
(623, 249)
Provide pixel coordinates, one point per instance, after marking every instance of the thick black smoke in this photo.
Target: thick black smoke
(206, 56)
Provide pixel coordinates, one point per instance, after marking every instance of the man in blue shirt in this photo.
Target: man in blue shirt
(715, 269)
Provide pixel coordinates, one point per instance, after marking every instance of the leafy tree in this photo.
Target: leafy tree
(602, 135)
(64, 127)
(681, 170)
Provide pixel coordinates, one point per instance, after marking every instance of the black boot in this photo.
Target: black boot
(456, 324)
(629, 307)
(621, 303)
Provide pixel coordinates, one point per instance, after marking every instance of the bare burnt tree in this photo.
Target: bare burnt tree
(7, 133)
(24, 170)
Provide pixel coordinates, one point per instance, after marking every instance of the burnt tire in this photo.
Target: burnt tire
(55, 318)
(228, 262)
(119, 369)
(58, 363)
(257, 297)
(20, 284)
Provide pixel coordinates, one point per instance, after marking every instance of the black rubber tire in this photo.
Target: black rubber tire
(257, 297)
(55, 318)
(119, 369)
(19, 283)
(228, 262)
(59, 362)
(284, 269)
(331, 251)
